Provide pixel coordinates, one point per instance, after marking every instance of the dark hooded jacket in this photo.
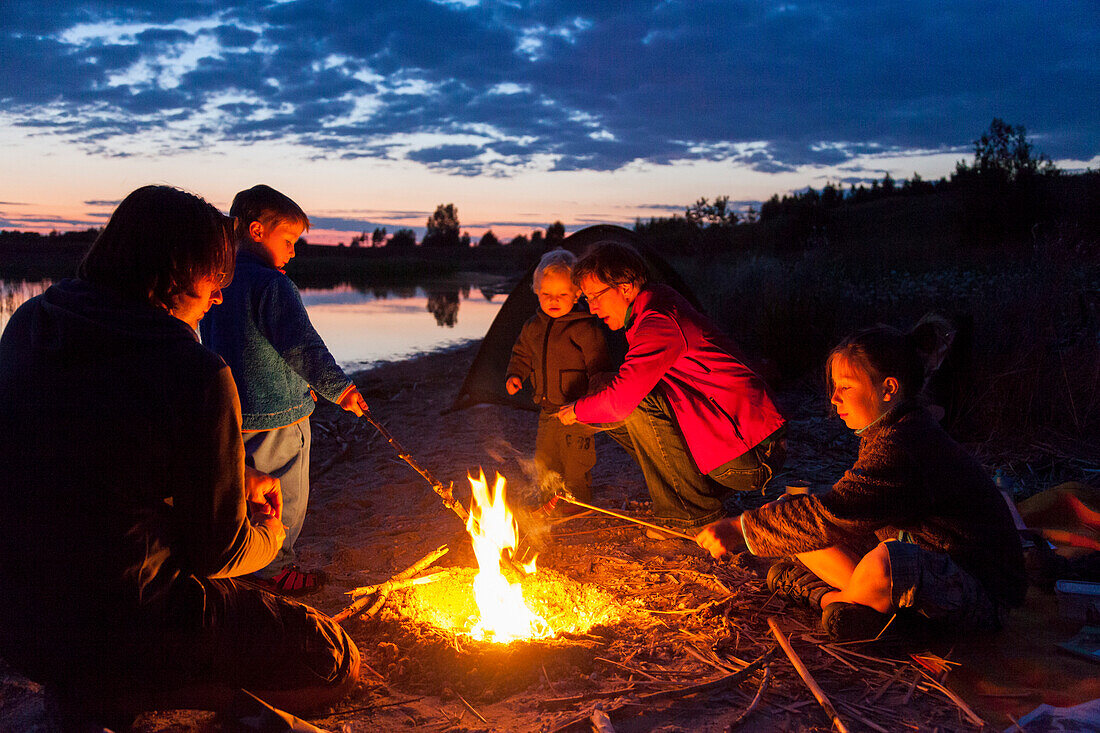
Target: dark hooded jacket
(910, 477)
(121, 464)
(560, 356)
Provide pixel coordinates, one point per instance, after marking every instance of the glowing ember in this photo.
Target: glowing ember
(505, 615)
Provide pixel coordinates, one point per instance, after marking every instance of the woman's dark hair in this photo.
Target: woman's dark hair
(614, 263)
(266, 205)
(888, 352)
(158, 244)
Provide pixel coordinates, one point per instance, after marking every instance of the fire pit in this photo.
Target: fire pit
(490, 629)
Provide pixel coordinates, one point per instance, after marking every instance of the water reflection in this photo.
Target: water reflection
(14, 293)
(366, 325)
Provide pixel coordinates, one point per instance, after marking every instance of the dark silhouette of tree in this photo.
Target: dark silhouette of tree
(705, 214)
(358, 239)
(443, 227)
(555, 233)
(1000, 194)
(520, 240)
(1004, 152)
(444, 306)
(403, 239)
(378, 238)
(464, 240)
(537, 239)
(488, 239)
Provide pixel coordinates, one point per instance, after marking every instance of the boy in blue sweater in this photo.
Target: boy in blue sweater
(278, 362)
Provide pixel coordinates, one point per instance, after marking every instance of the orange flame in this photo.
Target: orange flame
(505, 615)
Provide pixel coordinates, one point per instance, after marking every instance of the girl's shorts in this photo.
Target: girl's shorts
(934, 586)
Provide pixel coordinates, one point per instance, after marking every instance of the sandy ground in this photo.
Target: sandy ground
(371, 516)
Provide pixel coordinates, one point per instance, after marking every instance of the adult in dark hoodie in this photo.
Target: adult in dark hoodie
(125, 508)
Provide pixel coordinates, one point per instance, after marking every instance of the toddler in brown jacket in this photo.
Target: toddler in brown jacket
(559, 350)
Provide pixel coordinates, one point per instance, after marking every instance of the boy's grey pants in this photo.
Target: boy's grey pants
(284, 454)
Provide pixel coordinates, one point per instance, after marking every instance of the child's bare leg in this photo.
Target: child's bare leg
(868, 585)
(833, 565)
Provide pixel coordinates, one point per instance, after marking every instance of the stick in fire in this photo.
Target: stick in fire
(445, 492)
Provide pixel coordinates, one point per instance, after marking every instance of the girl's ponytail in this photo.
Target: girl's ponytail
(932, 337)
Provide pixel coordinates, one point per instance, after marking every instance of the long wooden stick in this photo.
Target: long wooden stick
(445, 492)
(628, 518)
(804, 673)
(409, 572)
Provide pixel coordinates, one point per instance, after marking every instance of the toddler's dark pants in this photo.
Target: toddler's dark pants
(565, 454)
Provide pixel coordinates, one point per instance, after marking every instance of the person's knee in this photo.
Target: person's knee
(871, 580)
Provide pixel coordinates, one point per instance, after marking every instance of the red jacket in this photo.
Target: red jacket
(723, 408)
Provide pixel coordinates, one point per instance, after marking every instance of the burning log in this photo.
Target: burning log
(411, 571)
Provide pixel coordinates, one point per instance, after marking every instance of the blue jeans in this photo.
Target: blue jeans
(284, 454)
(683, 498)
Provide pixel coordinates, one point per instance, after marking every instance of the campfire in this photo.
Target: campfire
(496, 604)
(504, 615)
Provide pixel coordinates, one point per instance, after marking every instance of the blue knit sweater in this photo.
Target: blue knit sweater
(264, 334)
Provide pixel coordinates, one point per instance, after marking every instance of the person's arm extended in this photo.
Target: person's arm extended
(878, 491)
(521, 363)
(215, 535)
(284, 322)
(655, 346)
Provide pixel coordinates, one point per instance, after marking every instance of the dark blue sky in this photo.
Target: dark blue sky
(505, 89)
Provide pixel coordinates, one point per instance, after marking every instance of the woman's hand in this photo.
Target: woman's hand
(567, 414)
(722, 537)
(263, 493)
(352, 401)
(513, 385)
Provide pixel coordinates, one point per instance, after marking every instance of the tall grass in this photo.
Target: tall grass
(1027, 367)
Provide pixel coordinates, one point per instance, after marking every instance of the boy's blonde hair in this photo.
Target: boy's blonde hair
(556, 260)
(266, 205)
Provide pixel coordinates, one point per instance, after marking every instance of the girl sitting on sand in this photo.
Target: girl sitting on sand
(915, 527)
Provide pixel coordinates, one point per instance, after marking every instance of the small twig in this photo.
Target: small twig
(471, 708)
(804, 673)
(884, 688)
(970, 714)
(755, 700)
(851, 711)
(624, 667)
(548, 682)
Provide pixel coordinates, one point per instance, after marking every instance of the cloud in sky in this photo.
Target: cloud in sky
(501, 88)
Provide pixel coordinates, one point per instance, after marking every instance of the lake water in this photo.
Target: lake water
(364, 326)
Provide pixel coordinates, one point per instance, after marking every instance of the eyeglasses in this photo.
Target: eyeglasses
(596, 296)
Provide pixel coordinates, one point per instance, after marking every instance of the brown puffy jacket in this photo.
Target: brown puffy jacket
(560, 356)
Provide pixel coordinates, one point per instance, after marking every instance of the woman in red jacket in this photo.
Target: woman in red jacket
(684, 404)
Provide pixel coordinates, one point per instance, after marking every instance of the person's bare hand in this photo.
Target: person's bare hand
(567, 414)
(722, 537)
(263, 493)
(276, 526)
(513, 385)
(353, 402)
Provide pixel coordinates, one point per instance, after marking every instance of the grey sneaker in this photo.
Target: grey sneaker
(795, 581)
(850, 621)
